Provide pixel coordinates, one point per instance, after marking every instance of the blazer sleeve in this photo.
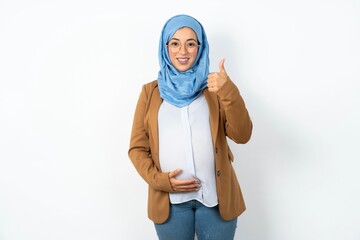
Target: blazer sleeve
(238, 124)
(140, 151)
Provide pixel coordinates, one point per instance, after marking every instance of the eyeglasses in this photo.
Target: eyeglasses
(175, 46)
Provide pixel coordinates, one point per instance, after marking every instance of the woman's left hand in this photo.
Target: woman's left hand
(217, 79)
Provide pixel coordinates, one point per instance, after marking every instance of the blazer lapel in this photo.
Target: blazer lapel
(155, 103)
(213, 103)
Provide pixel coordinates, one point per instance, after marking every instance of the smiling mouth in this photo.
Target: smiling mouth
(183, 60)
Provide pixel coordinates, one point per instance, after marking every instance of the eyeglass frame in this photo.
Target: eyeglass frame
(181, 45)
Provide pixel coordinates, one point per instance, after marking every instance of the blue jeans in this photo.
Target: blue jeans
(187, 218)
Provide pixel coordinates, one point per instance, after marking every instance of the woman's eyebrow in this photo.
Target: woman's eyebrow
(186, 39)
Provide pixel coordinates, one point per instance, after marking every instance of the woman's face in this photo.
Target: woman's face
(183, 48)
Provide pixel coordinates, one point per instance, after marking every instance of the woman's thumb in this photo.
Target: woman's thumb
(174, 173)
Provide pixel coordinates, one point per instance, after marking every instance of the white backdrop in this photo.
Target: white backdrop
(70, 76)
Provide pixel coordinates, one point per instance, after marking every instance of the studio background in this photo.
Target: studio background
(70, 76)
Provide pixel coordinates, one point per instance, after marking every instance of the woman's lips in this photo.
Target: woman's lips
(183, 60)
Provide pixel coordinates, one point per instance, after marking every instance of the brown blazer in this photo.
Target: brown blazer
(228, 118)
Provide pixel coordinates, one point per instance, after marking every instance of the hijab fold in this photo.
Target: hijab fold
(176, 87)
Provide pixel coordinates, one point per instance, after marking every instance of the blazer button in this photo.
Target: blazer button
(216, 150)
(218, 173)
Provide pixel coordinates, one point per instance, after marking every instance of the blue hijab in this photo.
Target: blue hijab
(181, 88)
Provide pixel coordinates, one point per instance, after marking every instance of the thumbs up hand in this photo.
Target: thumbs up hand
(217, 79)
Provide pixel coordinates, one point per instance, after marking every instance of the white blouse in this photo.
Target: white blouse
(185, 142)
